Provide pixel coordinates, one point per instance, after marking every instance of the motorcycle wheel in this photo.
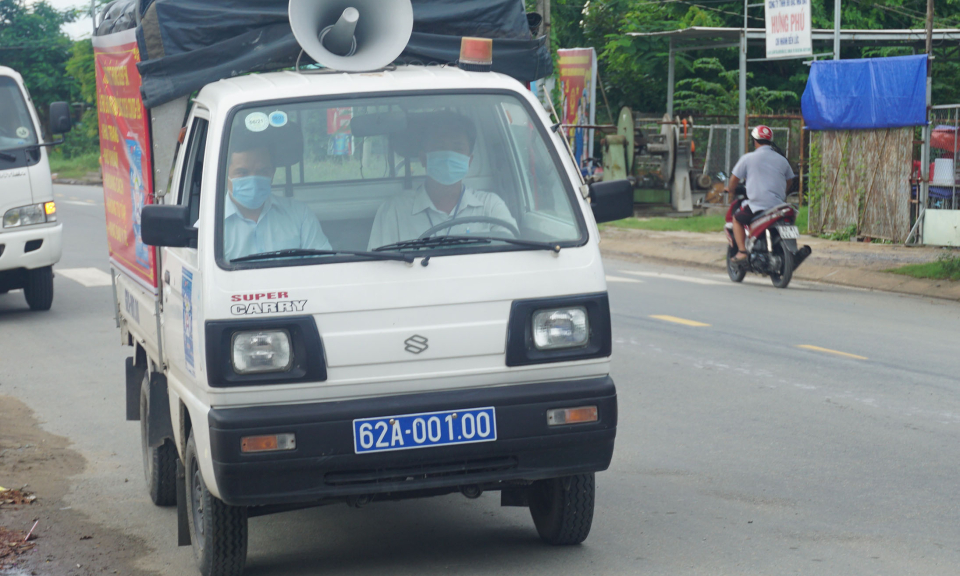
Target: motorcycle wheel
(782, 280)
(737, 272)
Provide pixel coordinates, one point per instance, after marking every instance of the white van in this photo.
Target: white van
(374, 286)
(30, 236)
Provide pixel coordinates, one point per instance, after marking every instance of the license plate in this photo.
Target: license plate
(789, 232)
(409, 431)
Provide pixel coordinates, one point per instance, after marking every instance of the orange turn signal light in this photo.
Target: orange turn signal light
(50, 208)
(476, 54)
(579, 415)
(270, 443)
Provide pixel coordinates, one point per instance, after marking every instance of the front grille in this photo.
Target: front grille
(32, 245)
(423, 472)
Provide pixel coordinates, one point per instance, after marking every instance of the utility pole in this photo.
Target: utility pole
(93, 16)
(925, 152)
(742, 116)
(546, 21)
(836, 29)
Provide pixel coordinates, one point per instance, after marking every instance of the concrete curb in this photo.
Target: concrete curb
(831, 262)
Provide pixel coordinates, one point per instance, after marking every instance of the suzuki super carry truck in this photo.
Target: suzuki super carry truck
(371, 286)
(30, 236)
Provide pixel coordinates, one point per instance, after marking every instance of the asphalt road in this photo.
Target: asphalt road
(808, 430)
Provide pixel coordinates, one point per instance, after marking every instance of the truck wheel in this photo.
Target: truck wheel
(218, 531)
(562, 508)
(39, 288)
(160, 463)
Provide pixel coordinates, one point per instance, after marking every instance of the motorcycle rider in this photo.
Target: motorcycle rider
(768, 176)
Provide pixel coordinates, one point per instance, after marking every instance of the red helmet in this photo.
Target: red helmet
(762, 132)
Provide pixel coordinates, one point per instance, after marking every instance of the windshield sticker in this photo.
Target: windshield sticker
(22, 132)
(278, 119)
(256, 122)
(187, 292)
(268, 307)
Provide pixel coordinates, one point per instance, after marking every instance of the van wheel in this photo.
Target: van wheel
(562, 508)
(38, 288)
(160, 463)
(218, 531)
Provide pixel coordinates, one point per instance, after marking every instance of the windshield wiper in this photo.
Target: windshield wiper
(292, 252)
(433, 242)
(7, 157)
(437, 241)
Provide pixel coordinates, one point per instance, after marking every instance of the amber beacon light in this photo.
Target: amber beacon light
(476, 54)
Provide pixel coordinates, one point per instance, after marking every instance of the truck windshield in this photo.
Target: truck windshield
(382, 173)
(16, 125)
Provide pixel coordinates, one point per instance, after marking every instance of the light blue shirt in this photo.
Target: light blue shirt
(766, 173)
(284, 223)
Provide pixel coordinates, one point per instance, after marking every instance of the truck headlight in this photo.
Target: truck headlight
(261, 351)
(560, 328)
(32, 214)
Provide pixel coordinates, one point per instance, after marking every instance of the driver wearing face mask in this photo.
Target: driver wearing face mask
(255, 220)
(443, 196)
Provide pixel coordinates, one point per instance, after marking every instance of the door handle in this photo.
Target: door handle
(166, 277)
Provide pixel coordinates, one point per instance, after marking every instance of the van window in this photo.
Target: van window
(16, 126)
(380, 173)
(193, 168)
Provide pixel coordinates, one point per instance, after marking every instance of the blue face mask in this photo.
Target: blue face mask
(251, 191)
(447, 167)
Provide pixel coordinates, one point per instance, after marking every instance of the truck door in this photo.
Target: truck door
(182, 281)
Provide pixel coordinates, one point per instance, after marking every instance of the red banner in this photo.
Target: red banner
(124, 154)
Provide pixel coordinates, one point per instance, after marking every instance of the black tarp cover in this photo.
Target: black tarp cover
(186, 44)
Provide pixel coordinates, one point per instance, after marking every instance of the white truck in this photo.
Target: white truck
(30, 235)
(373, 286)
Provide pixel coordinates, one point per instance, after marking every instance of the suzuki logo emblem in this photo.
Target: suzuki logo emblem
(415, 344)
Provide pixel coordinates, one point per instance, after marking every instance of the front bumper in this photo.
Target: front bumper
(20, 248)
(325, 467)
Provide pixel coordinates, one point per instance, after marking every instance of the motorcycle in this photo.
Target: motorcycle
(771, 242)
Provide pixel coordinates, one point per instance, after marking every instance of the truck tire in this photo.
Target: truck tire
(562, 508)
(218, 531)
(160, 463)
(38, 288)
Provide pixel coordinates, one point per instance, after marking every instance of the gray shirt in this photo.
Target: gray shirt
(766, 173)
(406, 216)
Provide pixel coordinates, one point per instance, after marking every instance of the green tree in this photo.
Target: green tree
(32, 43)
(81, 67)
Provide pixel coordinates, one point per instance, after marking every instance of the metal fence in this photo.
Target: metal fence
(944, 191)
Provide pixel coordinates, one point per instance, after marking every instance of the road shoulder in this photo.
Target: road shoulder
(66, 541)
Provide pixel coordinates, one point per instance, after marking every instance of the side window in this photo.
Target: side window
(193, 169)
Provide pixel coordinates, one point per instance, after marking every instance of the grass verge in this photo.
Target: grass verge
(947, 267)
(77, 167)
(704, 224)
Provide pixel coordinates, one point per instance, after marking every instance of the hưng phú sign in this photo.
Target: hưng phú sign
(124, 154)
(788, 28)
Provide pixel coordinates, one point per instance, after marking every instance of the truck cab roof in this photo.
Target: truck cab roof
(289, 84)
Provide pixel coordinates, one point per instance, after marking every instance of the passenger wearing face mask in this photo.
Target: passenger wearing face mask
(447, 155)
(255, 220)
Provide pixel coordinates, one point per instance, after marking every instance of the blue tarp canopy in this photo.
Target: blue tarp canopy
(867, 93)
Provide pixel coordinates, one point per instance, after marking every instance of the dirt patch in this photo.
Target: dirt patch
(64, 542)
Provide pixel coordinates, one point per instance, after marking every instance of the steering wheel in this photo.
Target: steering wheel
(470, 219)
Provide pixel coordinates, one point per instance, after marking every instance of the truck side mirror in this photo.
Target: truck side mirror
(169, 226)
(611, 200)
(60, 118)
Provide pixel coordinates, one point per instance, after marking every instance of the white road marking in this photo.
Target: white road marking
(76, 203)
(690, 279)
(621, 279)
(88, 277)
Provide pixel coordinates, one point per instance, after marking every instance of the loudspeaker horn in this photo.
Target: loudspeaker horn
(352, 35)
